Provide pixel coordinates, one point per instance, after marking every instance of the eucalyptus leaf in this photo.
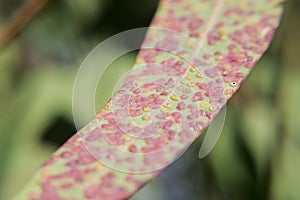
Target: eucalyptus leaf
(208, 48)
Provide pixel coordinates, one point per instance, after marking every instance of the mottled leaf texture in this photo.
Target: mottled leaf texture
(199, 59)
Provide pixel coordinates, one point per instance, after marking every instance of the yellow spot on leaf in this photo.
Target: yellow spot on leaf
(188, 77)
(192, 69)
(145, 117)
(146, 108)
(167, 105)
(205, 105)
(174, 98)
(199, 75)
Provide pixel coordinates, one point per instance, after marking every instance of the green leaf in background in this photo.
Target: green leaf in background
(42, 97)
(226, 160)
(286, 163)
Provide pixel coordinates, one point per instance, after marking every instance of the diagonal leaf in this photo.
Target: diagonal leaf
(201, 53)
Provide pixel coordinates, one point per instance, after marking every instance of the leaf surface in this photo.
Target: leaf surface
(192, 63)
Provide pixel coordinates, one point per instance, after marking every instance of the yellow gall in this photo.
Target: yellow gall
(145, 117)
(212, 108)
(188, 77)
(174, 98)
(167, 105)
(146, 108)
(199, 75)
(218, 57)
(192, 69)
(127, 138)
(205, 105)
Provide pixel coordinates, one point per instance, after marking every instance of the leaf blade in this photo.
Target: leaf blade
(253, 24)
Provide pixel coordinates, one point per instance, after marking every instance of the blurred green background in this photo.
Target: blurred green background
(256, 157)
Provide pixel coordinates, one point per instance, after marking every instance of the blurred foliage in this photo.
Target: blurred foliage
(256, 157)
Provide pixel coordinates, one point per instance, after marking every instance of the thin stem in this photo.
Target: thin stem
(20, 19)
